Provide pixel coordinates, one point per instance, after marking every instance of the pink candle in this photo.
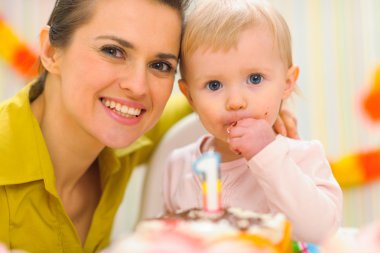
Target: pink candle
(207, 166)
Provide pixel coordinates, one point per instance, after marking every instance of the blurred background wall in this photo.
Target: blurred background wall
(336, 43)
(25, 18)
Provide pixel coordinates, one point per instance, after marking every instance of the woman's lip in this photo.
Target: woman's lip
(125, 102)
(132, 120)
(123, 119)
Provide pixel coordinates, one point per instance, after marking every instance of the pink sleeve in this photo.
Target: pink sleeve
(297, 180)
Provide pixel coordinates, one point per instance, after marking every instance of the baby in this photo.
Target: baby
(237, 70)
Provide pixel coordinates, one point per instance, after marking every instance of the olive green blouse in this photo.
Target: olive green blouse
(32, 216)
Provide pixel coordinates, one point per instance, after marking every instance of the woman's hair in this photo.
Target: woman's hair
(217, 24)
(67, 16)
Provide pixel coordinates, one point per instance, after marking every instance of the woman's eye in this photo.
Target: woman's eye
(214, 85)
(255, 78)
(113, 51)
(162, 66)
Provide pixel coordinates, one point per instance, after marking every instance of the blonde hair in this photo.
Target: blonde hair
(217, 24)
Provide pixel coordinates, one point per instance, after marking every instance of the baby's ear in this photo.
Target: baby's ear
(48, 53)
(291, 80)
(184, 87)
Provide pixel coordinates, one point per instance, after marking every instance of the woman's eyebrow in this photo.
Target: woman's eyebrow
(122, 42)
(165, 56)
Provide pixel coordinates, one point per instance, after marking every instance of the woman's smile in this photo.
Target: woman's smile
(123, 113)
(123, 110)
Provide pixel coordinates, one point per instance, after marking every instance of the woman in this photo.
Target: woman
(71, 139)
(109, 70)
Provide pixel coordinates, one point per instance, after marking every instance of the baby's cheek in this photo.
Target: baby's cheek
(270, 117)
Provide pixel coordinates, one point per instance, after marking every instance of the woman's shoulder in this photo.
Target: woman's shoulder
(16, 102)
(14, 110)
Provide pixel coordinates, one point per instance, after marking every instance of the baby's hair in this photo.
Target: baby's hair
(217, 24)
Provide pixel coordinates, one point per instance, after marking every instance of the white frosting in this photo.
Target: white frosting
(271, 226)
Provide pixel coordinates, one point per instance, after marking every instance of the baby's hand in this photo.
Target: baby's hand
(249, 136)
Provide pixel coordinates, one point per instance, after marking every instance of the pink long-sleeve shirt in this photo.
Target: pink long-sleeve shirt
(288, 176)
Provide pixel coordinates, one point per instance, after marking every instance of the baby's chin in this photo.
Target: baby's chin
(221, 141)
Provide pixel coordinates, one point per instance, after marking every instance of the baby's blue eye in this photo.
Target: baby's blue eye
(214, 85)
(255, 78)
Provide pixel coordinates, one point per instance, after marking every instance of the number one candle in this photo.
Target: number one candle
(207, 166)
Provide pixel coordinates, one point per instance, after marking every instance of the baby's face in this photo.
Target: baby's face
(246, 81)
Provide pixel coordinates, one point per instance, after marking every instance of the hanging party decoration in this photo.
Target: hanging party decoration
(371, 102)
(16, 53)
(363, 166)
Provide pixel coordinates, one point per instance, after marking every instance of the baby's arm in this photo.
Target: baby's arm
(297, 180)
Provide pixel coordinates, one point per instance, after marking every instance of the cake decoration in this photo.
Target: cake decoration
(211, 229)
(207, 167)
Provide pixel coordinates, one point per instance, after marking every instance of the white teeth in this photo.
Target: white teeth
(132, 111)
(122, 109)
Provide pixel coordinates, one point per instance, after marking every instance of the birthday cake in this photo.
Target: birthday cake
(212, 229)
(196, 231)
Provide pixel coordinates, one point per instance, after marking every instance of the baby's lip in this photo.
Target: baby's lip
(236, 117)
(231, 125)
(231, 122)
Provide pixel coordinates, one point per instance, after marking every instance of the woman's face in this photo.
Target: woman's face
(117, 72)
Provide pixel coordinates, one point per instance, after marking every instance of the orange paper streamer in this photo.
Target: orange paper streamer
(364, 166)
(371, 102)
(17, 54)
(357, 168)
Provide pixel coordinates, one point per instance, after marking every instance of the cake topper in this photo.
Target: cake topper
(207, 167)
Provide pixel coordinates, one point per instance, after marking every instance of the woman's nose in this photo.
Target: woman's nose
(135, 81)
